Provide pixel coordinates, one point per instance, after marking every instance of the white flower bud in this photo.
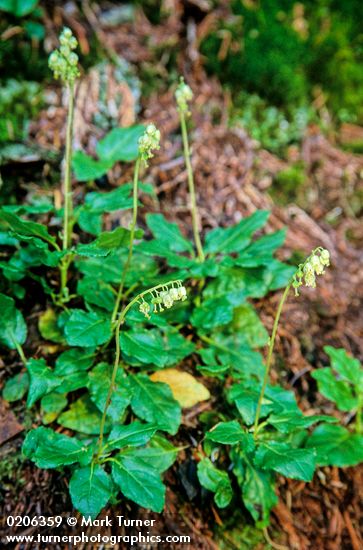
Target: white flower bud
(182, 293)
(145, 309)
(183, 95)
(174, 294)
(325, 257)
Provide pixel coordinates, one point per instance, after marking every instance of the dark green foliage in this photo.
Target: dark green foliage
(282, 50)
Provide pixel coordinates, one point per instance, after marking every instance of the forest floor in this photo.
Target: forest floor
(234, 177)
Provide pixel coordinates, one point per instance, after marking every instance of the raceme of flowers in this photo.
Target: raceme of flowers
(64, 62)
(314, 265)
(165, 297)
(149, 141)
(183, 95)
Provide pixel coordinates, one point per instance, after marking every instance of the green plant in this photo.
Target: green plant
(183, 96)
(259, 449)
(147, 143)
(121, 405)
(342, 383)
(120, 144)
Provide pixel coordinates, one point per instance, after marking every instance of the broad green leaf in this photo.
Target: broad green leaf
(87, 168)
(83, 416)
(278, 274)
(260, 252)
(24, 228)
(160, 453)
(232, 350)
(90, 489)
(216, 481)
(290, 422)
(52, 405)
(141, 346)
(119, 199)
(154, 402)
(336, 446)
(167, 234)
(13, 329)
(258, 490)
(90, 222)
(48, 327)
(336, 390)
(86, 329)
(99, 380)
(214, 312)
(49, 449)
(213, 370)
(276, 399)
(227, 433)
(120, 144)
(346, 366)
(135, 434)
(247, 323)
(139, 482)
(19, 8)
(96, 292)
(42, 380)
(280, 457)
(186, 389)
(72, 367)
(157, 248)
(247, 282)
(16, 387)
(237, 237)
(106, 242)
(110, 269)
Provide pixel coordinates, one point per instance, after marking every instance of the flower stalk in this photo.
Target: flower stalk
(183, 95)
(305, 274)
(164, 294)
(64, 64)
(147, 143)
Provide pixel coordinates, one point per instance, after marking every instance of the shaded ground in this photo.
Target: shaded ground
(233, 178)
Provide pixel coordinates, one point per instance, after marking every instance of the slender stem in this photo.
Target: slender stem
(193, 202)
(358, 416)
(131, 245)
(120, 321)
(67, 189)
(269, 356)
(20, 352)
(67, 195)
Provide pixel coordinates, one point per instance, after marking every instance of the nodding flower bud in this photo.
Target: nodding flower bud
(145, 308)
(165, 297)
(149, 141)
(313, 265)
(64, 62)
(183, 95)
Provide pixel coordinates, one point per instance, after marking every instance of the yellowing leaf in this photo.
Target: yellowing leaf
(48, 327)
(186, 389)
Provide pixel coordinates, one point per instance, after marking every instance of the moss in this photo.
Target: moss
(287, 184)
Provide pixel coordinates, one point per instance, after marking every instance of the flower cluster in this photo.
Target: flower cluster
(64, 62)
(149, 141)
(313, 265)
(165, 297)
(183, 94)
